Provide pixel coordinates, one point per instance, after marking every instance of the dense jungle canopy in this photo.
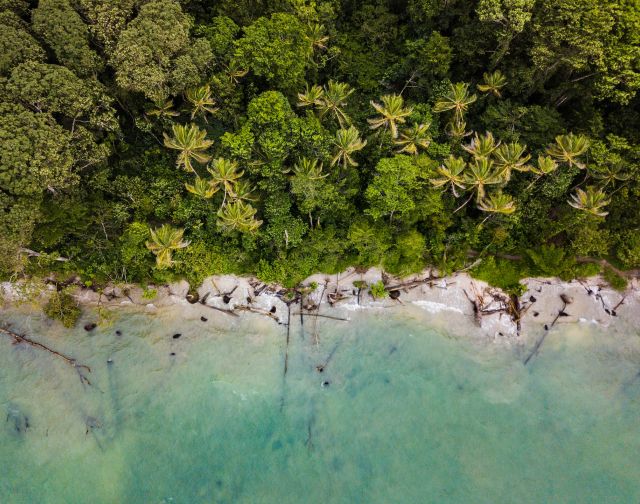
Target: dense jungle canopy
(146, 140)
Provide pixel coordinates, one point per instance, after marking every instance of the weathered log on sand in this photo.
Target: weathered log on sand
(565, 301)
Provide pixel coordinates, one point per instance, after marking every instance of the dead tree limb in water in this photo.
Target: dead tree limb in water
(80, 368)
(565, 301)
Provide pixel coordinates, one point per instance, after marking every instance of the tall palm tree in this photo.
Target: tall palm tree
(203, 188)
(392, 112)
(591, 201)
(481, 147)
(316, 36)
(163, 109)
(512, 156)
(311, 96)
(482, 172)
(609, 174)
(457, 99)
(309, 169)
(243, 191)
(238, 216)
(334, 100)
(568, 148)
(544, 166)
(451, 174)
(192, 143)
(493, 82)
(224, 172)
(346, 143)
(202, 103)
(412, 138)
(164, 241)
(497, 202)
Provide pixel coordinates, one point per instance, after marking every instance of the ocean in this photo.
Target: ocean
(393, 406)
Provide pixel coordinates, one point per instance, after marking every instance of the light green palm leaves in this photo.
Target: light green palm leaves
(164, 241)
(224, 173)
(456, 99)
(497, 203)
(414, 138)
(309, 169)
(191, 142)
(346, 143)
(163, 109)
(481, 147)
(492, 83)
(568, 148)
(202, 103)
(591, 201)
(238, 216)
(392, 112)
(482, 173)
(512, 156)
(329, 100)
(451, 174)
(203, 188)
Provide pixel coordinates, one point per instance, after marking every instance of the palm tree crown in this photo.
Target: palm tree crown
(392, 112)
(568, 148)
(164, 241)
(457, 99)
(481, 147)
(347, 142)
(482, 172)
(191, 142)
(497, 202)
(451, 174)
(238, 216)
(412, 138)
(493, 82)
(203, 188)
(202, 103)
(224, 172)
(591, 201)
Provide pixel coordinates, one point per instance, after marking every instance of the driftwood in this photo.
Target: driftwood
(253, 310)
(322, 315)
(33, 253)
(80, 368)
(566, 300)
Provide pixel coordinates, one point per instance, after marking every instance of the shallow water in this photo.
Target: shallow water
(409, 414)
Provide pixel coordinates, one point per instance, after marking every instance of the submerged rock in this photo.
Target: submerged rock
(193, 297)
(90, 327)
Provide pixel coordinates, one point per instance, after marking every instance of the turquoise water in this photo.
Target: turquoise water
(409, 414)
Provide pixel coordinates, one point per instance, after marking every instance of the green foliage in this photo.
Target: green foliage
(378, 290)
(63, 307)
(614, 280)
(502, 273)
(628, 252)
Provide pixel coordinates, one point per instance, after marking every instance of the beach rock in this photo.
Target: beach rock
(204, 319)
(394, 294)
(177, 335)
(193, 297)
(90, 327)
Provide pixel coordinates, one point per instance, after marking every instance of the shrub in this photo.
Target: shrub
(62, 306)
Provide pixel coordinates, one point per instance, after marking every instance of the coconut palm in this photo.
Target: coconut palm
(346, 143)
(243, 191)
(497, 202)
(412, 138)
(164, 241)
(202, 103)
(457, 99)
(609, 174)
(568, 148)
(316, 36)
(480, 173)
(234, 72)
(451, 174)
(545, 166)
(163, 109)
(334, 100)
(224, 172)
(238, 216)
(311, 97)
(591, 201)
(481, 147)
(493, 82)
(457, 130)
(512, 156)
(192, 143)
(392, 112)
(202, 187)
(309, 169)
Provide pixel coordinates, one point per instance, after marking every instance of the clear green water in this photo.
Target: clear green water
(410, 415)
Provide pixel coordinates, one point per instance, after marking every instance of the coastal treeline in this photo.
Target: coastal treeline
(147, 140)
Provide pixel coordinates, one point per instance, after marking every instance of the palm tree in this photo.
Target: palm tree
(163, 109)
(234, 73)
(311, 97)
(334, 100)
(451, 174)
(191, 142)
(482, 172)
(203, 188)
(457, 130)
(512, 156)
(238, 216)
(164, 241)
(591, 201)
(497, 202)
(316, 36)
(481, 147)
(224, 172)
(413, 138)
(243, 191)
(457, 99)
(309, 169)
(545, 166)
(202, 103)
(392, 112)
(568, 148)
(347, 142)
(609, 174)
(493, 82)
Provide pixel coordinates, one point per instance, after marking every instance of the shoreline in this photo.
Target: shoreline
(488, 311)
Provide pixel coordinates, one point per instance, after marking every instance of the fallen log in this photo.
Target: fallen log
(565, 301)
(80, 368)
